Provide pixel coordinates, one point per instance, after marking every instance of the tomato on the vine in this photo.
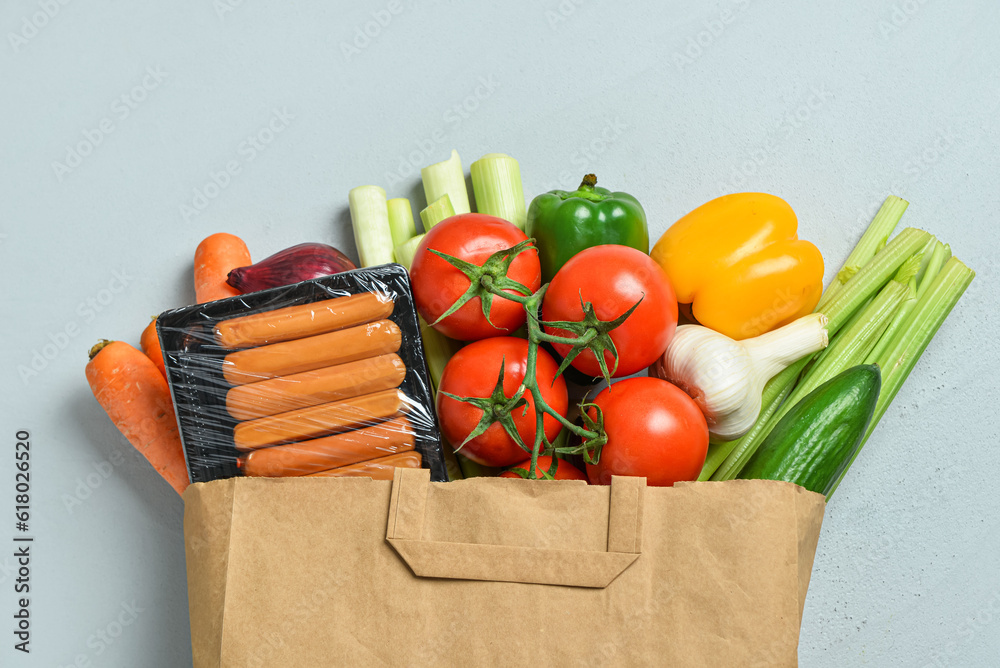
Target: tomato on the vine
(654, 430)
(473, 372)
(437, 283)
(564, 470)
(613, 279)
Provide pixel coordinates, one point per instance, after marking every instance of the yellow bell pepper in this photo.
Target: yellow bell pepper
(739, 263)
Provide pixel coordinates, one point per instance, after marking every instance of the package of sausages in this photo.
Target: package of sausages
(322, 378)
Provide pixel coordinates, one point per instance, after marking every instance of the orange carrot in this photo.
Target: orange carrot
(151, 346)
(135, 396)
(214, 258)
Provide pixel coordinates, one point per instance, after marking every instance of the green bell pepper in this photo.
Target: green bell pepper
(565, 223)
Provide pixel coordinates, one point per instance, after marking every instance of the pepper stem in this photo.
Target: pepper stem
(589, 181)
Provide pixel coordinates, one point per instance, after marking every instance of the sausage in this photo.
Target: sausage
(296, 322)
(376, 469)
(313, 352)
(322, 454)
(319, 386)
(318, 420)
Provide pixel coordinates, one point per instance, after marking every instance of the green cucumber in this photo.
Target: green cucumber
(815, 441)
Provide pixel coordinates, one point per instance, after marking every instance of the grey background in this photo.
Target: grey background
(830, 105)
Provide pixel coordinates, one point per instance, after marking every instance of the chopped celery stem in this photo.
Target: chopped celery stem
(401, 223)
(446, 178)
(370, 220)
(496, 183)
(437, 211)
(404, 253)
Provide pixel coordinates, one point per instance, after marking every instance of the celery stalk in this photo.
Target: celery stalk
(471, 469)
(437, 211)
(872, 276)
(852, 346)
(438, 349)
(401, 220)
(840, 310)
(898, 320)
(940, 255)
(370, 219)
(405, 252)
(847, 350)
(451, 465)
(496, 183)
(447, 178)
(874, 238)
(928, 271)
(775, 392)
(927, 316)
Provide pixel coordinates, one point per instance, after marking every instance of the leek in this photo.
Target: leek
(401, 223)
(496, 183)
(370, 219)
(437, 211)
(447, 178)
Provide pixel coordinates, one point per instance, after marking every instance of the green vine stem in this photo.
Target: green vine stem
(489, 280)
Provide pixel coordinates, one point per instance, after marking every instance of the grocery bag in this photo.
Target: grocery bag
(497, 572)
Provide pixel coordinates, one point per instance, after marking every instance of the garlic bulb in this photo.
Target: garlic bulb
(726, 378)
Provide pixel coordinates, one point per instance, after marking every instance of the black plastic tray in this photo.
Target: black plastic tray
(194, 365)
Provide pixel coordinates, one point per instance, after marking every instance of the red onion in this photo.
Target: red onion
(298, 263)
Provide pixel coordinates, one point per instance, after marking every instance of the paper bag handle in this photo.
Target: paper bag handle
(508, 563)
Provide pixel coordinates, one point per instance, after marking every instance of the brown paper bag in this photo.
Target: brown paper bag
(497, 572)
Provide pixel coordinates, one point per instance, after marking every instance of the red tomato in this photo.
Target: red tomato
(614, 278)
(473, 372)
(437, 285)
(564, 470)
(654, 430)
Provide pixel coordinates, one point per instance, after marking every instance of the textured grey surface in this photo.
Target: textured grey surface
(830, 105)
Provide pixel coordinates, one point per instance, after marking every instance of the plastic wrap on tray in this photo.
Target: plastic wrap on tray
(322, 378)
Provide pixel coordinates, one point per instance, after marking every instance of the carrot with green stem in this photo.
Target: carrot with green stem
(135, 396)
(214, 258)
(150, 343)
